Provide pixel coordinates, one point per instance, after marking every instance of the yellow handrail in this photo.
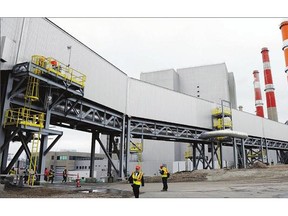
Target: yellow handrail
(59, 69)
(24, 116)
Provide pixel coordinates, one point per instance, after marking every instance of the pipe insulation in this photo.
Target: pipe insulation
(223, 133)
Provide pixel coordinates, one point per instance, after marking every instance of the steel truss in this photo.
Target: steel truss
(65, 106)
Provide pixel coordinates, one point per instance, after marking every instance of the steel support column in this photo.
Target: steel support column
(106, 153)
(221, 155)
(44, 138)
(109, 148)
(5, 106)
(243, 153)
(212, 155)
(267, 155)
(194, 156)
(92, 156)
(128, 138)
(122, 149)
(235, 155)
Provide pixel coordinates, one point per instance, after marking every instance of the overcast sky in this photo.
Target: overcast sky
(136, 45)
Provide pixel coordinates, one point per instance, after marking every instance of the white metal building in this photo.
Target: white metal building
(107, 85)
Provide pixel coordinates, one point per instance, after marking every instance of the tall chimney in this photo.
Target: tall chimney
(258, 96)
(269, 87)
(284, 29)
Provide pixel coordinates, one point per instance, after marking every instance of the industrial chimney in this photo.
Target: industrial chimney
(269, 88)
(258, 96)
(284, 29)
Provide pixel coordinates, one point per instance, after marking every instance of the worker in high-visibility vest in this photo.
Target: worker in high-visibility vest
(136, 180)
(51, 175)
(12, 171)
(165, 175)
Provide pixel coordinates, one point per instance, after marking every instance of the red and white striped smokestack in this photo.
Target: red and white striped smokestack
(284, 30)
(269, 87)
(258, 96)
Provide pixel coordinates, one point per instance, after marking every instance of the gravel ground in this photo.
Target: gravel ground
(259, 173)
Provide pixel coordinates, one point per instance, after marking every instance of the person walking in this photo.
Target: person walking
(46, 174)
(64, 174)
(165, 175)
(136, 180)
(51, 175)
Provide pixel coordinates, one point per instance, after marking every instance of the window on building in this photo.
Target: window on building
(52, 157)
(76, 167)
(62, 157)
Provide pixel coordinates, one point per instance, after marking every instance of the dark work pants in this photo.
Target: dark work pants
(164, 181)
(136, 190)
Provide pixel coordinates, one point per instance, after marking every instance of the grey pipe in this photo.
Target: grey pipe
(223, 133)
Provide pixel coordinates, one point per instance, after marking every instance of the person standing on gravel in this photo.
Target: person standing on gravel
(51, 175)
(64, 174)
(136, 180)
(165, 175)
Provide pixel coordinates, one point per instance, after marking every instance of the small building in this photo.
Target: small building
(76, 163)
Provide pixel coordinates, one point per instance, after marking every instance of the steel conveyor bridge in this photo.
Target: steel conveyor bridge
(63, 103)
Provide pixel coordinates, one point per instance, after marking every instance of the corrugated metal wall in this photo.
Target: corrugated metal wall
(166, 105)
(108, 85)
(105, 83)
(208, 82)
(257, 126)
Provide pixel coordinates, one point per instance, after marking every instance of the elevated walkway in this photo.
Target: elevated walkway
(63, 103)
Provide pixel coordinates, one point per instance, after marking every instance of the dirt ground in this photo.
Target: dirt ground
(260, 173)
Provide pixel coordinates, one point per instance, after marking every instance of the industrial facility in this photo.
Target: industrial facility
(187, 118)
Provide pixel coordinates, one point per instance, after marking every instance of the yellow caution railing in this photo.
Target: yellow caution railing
(59, 69)
(136, 148)
(188, 154)
(218, 111)
(218, 123)
(24, 116)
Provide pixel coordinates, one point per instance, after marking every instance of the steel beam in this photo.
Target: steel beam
(92, 155)
(106, 153)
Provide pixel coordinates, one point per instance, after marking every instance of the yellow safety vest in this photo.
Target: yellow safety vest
(165, 171)
(12, 172)
(137, 178)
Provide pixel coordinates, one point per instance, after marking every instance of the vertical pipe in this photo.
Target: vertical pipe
(284, 30)
(258, 96)
(269, 87)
